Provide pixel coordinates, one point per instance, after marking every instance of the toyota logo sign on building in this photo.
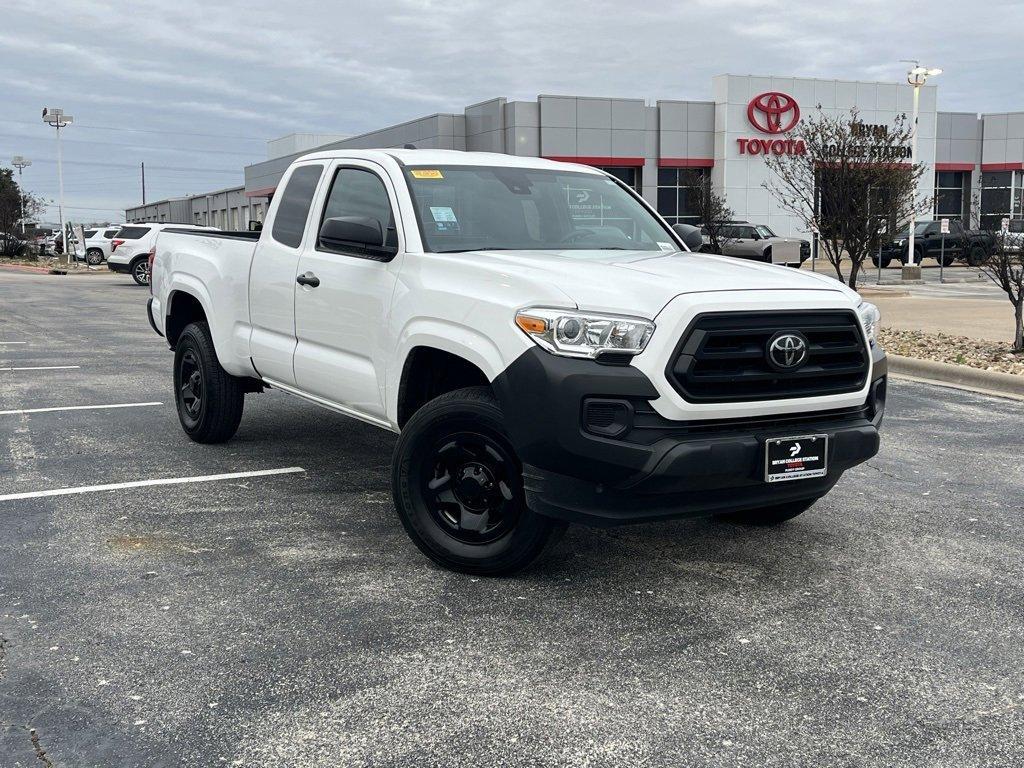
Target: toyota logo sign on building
(773, 112)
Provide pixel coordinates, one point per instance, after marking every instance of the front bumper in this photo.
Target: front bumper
(658, 468)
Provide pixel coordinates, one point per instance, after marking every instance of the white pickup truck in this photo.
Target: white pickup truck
(547, 348)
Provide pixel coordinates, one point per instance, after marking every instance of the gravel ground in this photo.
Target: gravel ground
(958, 350)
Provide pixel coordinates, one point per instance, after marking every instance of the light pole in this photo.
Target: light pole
(56, 118)
(21, 163)
(917, 76)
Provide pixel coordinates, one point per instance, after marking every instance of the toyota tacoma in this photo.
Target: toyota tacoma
(547, 348)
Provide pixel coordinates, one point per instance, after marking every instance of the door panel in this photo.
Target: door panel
(341, 324)
(272, 278)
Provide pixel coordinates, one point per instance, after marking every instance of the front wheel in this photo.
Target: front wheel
(947, 260)
(885, 261)
(458, 488)
(140, 271)
(209, 399)
(773, 515)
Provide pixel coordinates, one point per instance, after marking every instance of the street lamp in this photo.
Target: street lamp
(21, 163)
(916, 76)
(57, 119)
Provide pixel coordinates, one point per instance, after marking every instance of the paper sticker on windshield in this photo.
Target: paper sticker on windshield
(425, 173)
(666, 246)
(444, 218)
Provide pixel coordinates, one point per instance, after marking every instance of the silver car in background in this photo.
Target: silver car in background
(758, 242)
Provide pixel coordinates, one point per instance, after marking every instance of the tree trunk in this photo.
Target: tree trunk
(1018, 333)
(854, 271)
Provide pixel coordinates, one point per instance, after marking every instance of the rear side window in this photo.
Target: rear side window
(110, 233)
(293, 210)
(133, 233)
(89, 233)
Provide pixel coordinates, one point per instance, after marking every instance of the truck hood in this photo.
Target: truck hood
(643, 282)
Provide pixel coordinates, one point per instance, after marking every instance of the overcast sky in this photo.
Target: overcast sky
(195, 88)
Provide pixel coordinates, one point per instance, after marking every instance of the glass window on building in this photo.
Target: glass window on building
(677, 194)
(630, 176)
(1000, 197)
(953, 195)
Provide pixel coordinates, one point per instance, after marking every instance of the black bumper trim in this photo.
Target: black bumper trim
(687, 470)
(149, 316)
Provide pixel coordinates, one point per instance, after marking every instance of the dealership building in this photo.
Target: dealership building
(659, 148)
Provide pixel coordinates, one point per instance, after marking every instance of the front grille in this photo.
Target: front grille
(723, 358)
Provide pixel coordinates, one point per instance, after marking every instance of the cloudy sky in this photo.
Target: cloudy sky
(194, 89)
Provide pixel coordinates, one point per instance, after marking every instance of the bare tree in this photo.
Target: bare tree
(1005, 268)
(852, 182)
(710, 207)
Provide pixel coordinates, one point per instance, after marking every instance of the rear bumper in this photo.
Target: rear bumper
(114, 266)
(655, 468)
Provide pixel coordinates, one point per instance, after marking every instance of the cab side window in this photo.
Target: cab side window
(359, 194)
(293, 210)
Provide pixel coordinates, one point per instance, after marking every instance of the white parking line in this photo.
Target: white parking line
(75, 408)
(43, 368)
(142, 483)
(13, 342)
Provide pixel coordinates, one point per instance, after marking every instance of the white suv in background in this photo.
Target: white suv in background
(98, 243)
(130, 249)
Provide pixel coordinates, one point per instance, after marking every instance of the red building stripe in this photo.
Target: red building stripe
(1002, 166)
(954, 166)
(685, 162)
(611, 162)
(265, 192)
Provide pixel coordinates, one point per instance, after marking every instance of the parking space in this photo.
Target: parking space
(266, 608)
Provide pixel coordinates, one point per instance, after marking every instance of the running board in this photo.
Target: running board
(329, 404)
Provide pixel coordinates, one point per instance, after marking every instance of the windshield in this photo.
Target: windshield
(468, 208)
(919, 229)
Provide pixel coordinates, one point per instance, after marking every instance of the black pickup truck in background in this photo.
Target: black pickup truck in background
(970, 245)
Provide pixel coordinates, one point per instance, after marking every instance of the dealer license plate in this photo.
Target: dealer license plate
(795, 458)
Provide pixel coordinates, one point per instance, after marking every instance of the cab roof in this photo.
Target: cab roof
(443, 157)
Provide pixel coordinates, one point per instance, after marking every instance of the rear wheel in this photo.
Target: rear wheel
(977, 256)
(458, 488)
(773, 515)
(886, 261)
(209, 399)
(94, 256)
(946, 261)
(140, 271)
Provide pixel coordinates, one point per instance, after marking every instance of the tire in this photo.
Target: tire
(140, 270)
(458, 488)
(886, 261)
(947, 261)
(208, 398)
(977, 256)
(773, 515)
(94, 256)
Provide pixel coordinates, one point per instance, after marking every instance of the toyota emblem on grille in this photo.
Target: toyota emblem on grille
(787, 351)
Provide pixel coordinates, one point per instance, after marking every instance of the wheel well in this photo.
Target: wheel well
(185, 308)
(430, 372)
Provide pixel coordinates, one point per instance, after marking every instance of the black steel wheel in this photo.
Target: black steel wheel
(208, 398)
(458, 488)
(977, 256)
(140, 271)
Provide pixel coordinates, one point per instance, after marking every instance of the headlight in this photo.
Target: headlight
(582, 334)
(900, 243)
(869, 315)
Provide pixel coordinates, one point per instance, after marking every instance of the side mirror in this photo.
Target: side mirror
(255, 226)
(358, 232)
(691, 236)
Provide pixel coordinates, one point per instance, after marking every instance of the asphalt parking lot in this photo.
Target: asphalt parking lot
(286, 619)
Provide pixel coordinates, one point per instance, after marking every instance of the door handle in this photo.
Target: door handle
(308, 279)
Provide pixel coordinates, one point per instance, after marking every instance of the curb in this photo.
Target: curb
(958, 376)
(23, 268)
